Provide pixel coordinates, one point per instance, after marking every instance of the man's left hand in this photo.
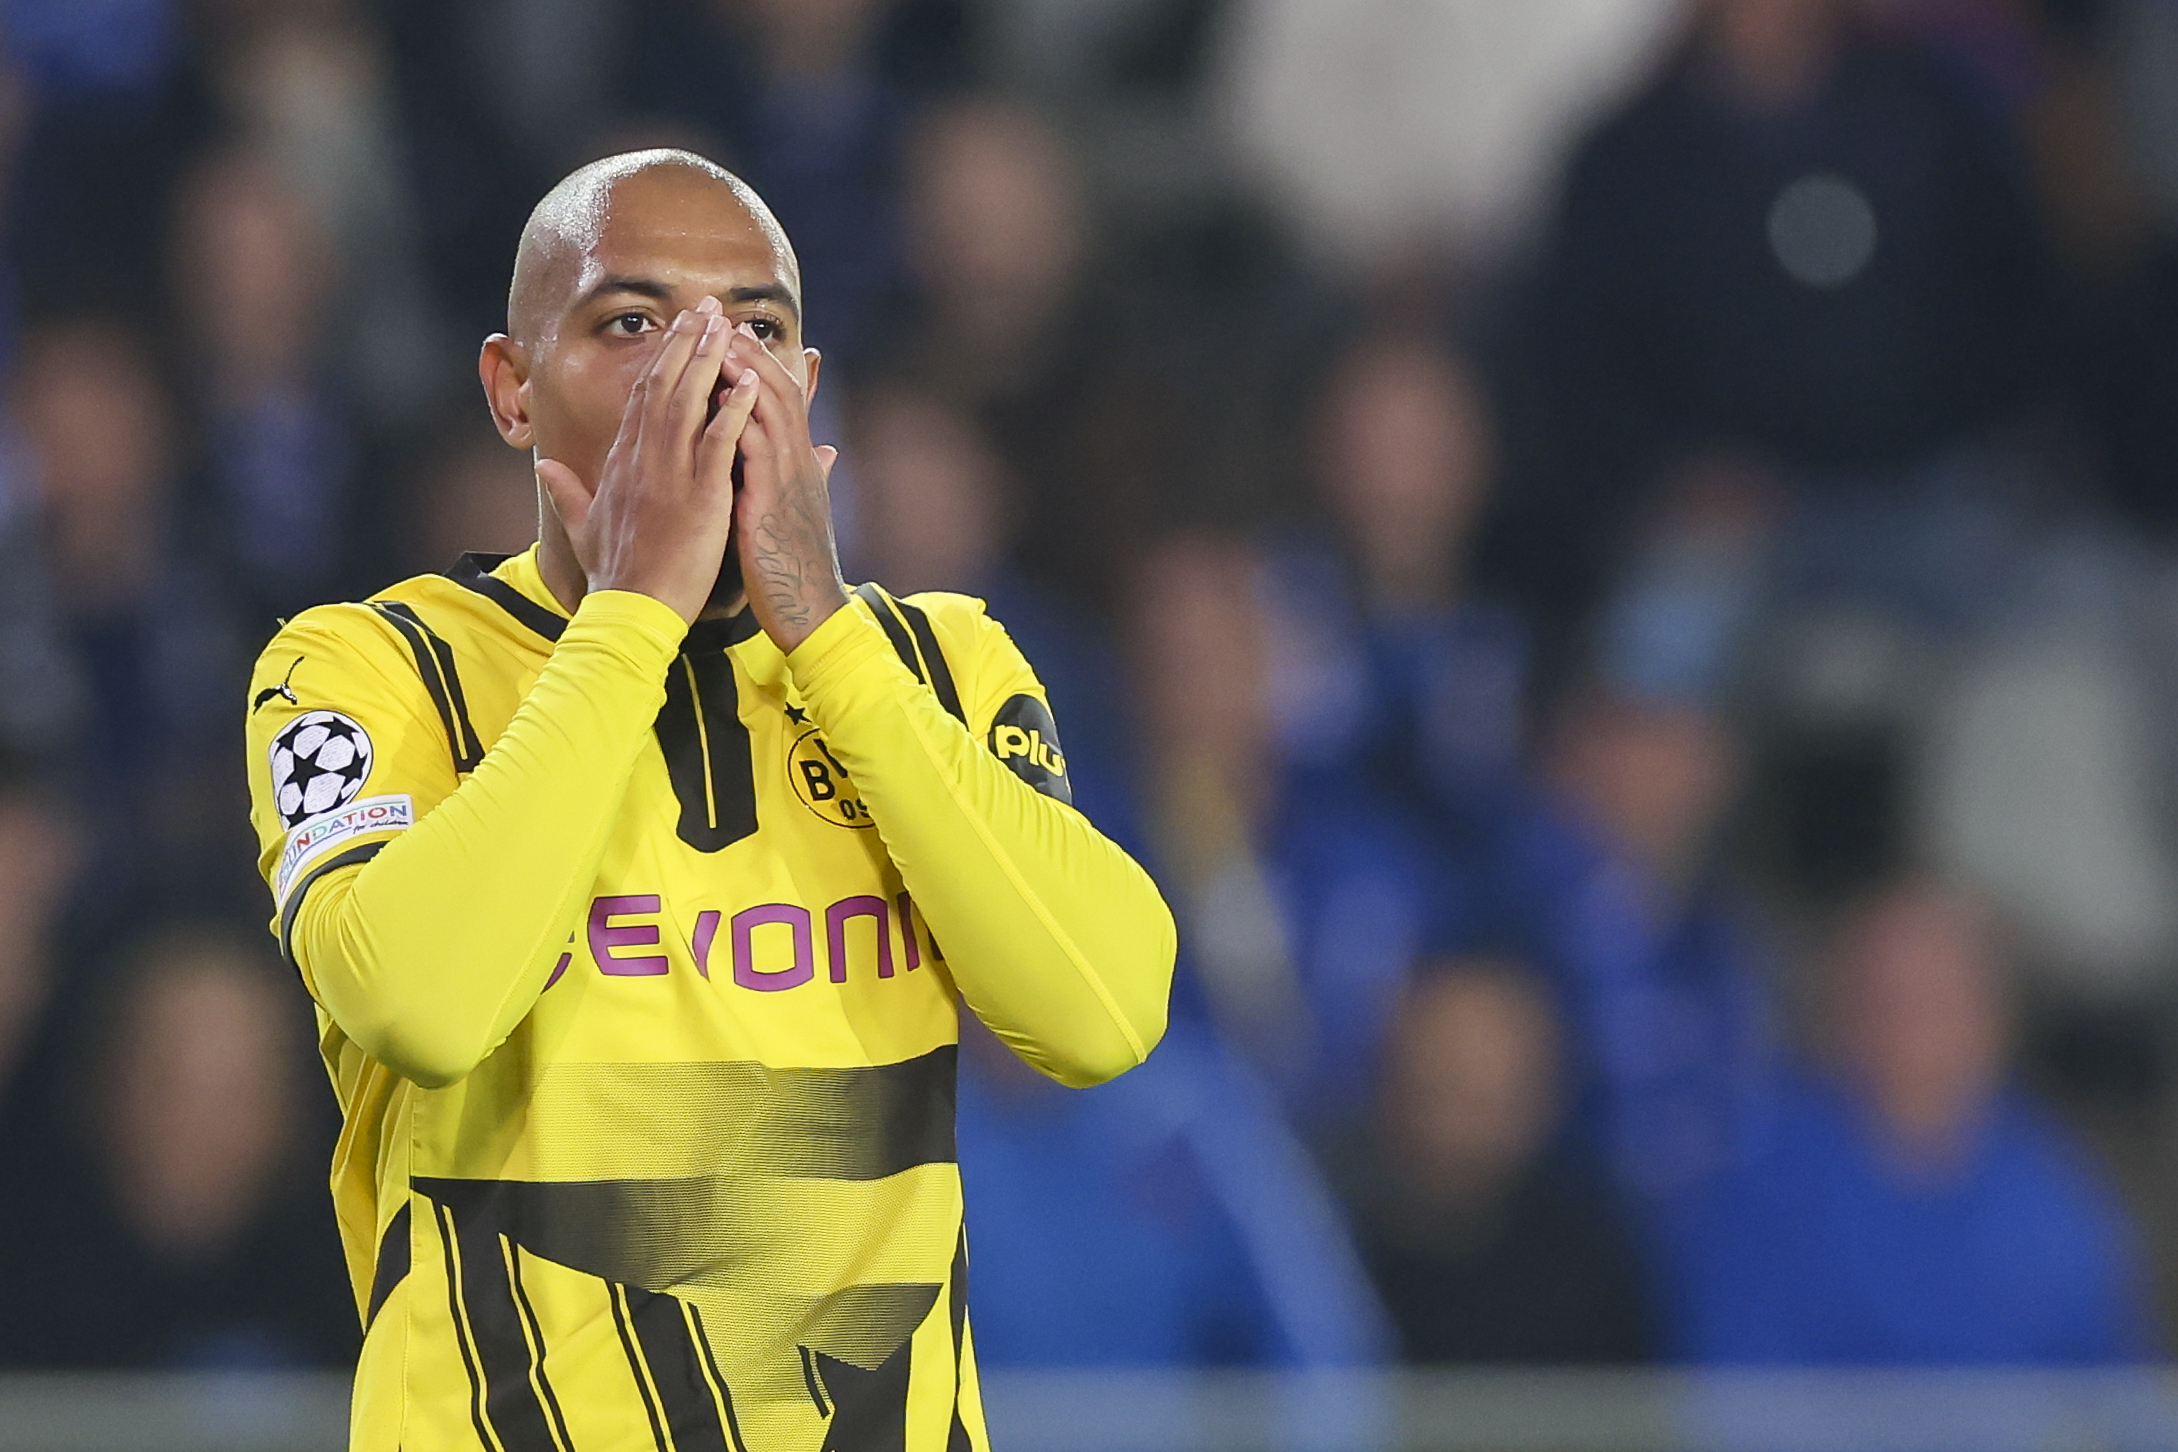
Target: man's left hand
(783, 515)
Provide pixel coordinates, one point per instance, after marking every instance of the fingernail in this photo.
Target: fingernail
(682, 323)
(707, 304)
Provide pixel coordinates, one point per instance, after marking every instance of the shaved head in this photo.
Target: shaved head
(611, 258)
(563, 233)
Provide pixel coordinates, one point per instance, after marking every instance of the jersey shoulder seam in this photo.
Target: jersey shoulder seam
(347, 623)
(971, 635)
(959, 621)
(356, 628)
(455, 614)
(450, 599)
(954, 613)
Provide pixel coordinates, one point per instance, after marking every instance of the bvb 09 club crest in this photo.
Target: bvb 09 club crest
(823, 784)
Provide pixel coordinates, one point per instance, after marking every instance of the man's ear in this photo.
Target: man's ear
(503, 368)
(815, 361)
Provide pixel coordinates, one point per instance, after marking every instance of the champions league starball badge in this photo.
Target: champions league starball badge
(319, 763)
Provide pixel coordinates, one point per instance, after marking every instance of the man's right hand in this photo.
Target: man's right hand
(658, 520)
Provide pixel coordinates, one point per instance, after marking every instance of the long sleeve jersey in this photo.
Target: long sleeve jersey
(637, 951)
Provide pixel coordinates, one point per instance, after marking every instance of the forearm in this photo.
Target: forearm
(429, 954)
(1053, 935)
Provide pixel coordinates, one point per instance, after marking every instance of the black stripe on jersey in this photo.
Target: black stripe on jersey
(722, 634)
(461, 1327)
(718, 1382)
(636, 1369)
(869, 1408)
(513, 1404)
(691, 1415)
(881, 606)
(941, 675)
(437, 673)
(301, 890)
(468, 750)
(956, 1440)
(858, 1124)
(474, 572)
(707, 752)
(537, 1345)
(809, 1379)
(392, 1264)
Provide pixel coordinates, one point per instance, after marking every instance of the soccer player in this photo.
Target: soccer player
(638, 878)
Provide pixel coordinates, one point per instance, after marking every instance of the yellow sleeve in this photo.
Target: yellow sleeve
(1053, 935)
(427, 931)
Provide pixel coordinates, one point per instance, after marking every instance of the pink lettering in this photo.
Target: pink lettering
(604, 937)
(610, 937)
(706, 932)
(560, 968)
(907, 933)
(744, 926)
(835, 933)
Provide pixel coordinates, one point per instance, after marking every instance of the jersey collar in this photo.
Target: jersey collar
(515, 585)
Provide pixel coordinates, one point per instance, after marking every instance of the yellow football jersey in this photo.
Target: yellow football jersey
(637, 953)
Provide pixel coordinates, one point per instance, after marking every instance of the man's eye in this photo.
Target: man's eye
(765, 328)
(630, 325)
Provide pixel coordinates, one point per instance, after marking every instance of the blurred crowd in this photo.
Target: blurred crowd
(1618, 560)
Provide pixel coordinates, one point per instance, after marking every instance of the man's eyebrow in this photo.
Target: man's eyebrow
(640, 286)
(659, 292)
(768, 292)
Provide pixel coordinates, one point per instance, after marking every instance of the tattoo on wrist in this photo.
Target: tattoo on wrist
(791, 555)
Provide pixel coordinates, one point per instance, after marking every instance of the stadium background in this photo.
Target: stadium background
(1616, 557)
